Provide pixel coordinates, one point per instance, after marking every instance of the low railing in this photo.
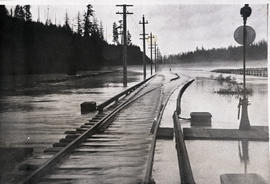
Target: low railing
(185, 170)
(118, 96)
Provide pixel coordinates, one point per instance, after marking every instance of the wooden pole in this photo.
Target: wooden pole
(124, 13)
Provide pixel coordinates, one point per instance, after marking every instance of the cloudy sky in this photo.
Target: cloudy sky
(178, 27)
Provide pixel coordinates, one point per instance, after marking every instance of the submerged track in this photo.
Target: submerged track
(116, 146)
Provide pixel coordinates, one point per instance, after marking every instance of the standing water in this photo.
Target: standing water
(210, 159)
(37, 114)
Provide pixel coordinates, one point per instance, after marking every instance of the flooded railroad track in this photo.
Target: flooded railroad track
(113, 147)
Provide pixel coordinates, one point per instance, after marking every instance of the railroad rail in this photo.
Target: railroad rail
(148, 174)
(181, 92)
(185, 170)
(86, 131)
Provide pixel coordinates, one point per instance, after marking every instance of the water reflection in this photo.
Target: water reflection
(243, 153)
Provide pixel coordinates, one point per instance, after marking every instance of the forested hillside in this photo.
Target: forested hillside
(28, 47)
(256, 51)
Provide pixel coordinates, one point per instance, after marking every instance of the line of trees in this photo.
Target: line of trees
(256, 51)
(85, 27)
(28, 47)
(32, 47)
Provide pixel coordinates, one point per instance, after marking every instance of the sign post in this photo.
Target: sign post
(244, 35)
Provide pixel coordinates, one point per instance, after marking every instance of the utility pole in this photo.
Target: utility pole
(124, 13)
(155, 57)
(151, 51)
(143, 38)
(158, 58)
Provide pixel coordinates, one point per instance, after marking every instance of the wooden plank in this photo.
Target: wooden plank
(165, 133)
(256, 133)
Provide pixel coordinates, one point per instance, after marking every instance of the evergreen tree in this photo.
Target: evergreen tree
(86, 26)
(27, 13)
(120, 31)
(79, 26)
(94, 26)
(101, 30)
(19, 13)
(11, 12)
(90, 11)
(38, 19)
(87, 23)
(48, 20)
(3, 10)
(66, 25)
(95, 29)
(115, 34)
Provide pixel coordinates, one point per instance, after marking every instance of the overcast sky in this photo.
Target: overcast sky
(179, 27)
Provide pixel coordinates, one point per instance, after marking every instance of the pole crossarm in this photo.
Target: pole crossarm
(124, 5)
(127, 13)
(146, 22)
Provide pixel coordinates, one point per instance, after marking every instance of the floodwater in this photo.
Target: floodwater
(225, 157)
(37, 114)
(210, 159)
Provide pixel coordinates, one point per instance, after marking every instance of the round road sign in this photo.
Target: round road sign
(250, 35)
